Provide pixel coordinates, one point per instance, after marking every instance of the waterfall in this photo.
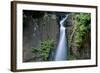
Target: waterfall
(61, 52)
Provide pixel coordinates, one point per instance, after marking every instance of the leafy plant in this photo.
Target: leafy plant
(82, 22)
(44, 49)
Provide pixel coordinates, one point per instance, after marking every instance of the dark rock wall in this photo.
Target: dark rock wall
(37, 29)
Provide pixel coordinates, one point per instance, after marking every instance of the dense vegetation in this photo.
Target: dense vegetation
(44, 49)
(79, 38)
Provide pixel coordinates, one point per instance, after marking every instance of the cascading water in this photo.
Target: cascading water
(61, 52)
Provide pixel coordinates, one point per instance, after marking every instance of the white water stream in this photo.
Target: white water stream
(61, 52)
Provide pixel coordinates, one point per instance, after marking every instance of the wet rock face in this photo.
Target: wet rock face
(37, 26)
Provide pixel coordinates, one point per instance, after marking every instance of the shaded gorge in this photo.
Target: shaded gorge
(55, 36)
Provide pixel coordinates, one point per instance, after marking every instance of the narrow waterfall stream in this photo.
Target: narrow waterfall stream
(61, 52)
